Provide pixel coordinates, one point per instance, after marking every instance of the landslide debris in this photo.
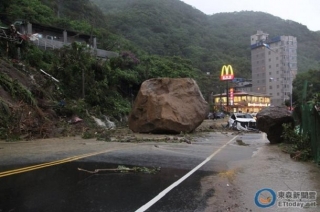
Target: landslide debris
(29, 107)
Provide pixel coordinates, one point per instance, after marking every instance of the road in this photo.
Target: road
(216, 172)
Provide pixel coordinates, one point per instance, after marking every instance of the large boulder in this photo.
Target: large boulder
(167, 105)
(270, 120)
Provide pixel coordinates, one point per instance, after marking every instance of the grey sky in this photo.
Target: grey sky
(306, 12)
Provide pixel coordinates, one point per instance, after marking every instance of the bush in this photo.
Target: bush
(300, 148)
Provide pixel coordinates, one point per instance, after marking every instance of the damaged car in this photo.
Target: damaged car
(242, 121)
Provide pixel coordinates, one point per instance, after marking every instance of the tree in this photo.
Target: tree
(313, 78)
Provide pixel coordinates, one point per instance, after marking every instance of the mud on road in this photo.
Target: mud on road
(232, 189)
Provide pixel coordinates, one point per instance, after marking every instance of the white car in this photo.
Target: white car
(242, 121)
(254, 115)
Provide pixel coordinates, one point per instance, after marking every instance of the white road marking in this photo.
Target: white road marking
(167, 190)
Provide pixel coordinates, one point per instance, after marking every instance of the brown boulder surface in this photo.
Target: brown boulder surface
(270, 120)
(167, 105)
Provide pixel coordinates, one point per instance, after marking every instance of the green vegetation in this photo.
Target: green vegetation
(298, 146)
(153, 38)
(313, 78)
(170, 27)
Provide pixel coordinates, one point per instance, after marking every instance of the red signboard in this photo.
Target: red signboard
(231, 96)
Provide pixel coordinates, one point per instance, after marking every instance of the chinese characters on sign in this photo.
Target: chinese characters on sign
(297, 199)
(227, 77)
(231, 96)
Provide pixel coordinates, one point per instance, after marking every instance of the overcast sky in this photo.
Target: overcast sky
(306, 12)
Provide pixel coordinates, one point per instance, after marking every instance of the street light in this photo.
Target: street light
(220, 99)
(290, 72)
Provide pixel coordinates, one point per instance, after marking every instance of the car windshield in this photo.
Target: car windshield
(244, 116)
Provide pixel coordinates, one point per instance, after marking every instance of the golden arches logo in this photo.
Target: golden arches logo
(225, 75)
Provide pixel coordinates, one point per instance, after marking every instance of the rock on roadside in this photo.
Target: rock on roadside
(167, 105)
(270, 120)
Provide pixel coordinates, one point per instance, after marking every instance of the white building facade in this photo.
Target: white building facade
(273, 66)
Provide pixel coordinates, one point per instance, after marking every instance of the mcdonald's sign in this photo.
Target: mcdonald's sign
(226, 73)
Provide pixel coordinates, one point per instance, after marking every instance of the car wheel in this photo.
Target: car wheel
(234, 125)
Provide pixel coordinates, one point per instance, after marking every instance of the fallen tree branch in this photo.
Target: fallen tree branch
(124, 169)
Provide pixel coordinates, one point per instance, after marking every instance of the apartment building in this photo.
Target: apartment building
(274, 66)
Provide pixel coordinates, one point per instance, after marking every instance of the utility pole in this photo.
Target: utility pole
(59, 7)
(227, 94)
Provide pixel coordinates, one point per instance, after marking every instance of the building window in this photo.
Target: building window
(269, 66)
(277, 65)
(258, 89)
(278, 94)
(270, 87)
(278, 86)
(270, 94)
(277, 58)
(269, 60)
(270, 73)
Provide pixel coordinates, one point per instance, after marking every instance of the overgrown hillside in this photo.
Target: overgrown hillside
(154, 38)
(237, 28)
(87, 86)
(171, 27)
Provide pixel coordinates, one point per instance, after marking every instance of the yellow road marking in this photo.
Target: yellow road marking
(53, 163)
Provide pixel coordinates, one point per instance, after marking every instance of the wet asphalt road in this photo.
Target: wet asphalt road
(64, 188)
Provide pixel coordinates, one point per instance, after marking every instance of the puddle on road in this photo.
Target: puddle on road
(64, 188)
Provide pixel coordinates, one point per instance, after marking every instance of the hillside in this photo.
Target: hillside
(171, 27)
(166, 38)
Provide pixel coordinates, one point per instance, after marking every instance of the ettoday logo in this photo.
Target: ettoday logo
(267, 197)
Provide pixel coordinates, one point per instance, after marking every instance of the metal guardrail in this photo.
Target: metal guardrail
(47, 43)
(54, 44)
